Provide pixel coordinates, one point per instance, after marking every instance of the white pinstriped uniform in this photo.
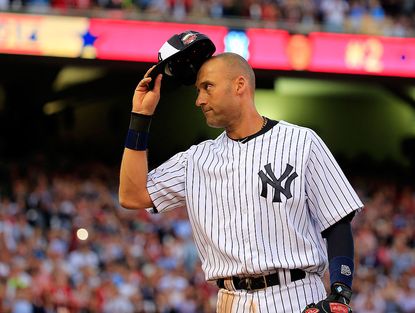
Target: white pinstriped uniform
(238, 231)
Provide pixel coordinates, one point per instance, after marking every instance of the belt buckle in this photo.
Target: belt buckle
(248, 283)
(264, 281)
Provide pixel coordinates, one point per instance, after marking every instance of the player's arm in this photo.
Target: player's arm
(340, 249)
(133, 192)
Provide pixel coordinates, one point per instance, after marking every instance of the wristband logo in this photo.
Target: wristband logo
(345, 270)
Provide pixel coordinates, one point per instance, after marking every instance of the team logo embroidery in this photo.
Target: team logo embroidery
(338, 308)
(276, 183)
(188, 38)
(345, 270)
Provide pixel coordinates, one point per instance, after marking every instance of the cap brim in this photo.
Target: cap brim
(168, 81)
(203, 49)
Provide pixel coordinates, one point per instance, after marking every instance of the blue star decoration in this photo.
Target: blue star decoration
(33, 36)
(88, 49)
(88, 39)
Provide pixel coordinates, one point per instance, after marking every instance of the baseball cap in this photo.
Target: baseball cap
(181, 57)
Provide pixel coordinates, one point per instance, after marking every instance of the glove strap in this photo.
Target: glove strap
(340, 293)
(339, 308)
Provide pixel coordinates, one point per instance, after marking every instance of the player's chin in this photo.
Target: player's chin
(211, 122)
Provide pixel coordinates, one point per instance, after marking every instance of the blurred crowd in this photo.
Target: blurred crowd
(385, 245)
(135, 262)
(376, 17)
(130, 262)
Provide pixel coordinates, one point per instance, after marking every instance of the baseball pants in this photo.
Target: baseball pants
(288, 297)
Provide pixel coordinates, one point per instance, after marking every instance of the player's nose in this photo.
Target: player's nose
(200, 100)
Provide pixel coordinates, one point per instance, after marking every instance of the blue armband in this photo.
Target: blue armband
(341, 270)
(136, 140)
(138, 132)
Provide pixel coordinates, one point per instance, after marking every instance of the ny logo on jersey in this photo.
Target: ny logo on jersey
(276, 183)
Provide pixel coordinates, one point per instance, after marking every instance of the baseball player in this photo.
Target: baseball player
(269, 206)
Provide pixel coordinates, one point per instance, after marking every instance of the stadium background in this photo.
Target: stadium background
(63, 119)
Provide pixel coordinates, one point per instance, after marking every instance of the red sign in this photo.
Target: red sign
(140, 41)
(267, 48)
(360, 54)
(271, 49)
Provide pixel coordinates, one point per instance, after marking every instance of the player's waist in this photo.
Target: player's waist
(257, 282)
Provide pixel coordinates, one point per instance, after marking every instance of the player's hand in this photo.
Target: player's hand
(145, 100)
(337, 302)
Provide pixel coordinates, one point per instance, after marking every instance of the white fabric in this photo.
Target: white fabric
(167, 50)
(240, 230)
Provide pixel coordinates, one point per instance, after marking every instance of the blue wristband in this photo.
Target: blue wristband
(140, 122)
(138, 132)
(341, 270)
(136, 140)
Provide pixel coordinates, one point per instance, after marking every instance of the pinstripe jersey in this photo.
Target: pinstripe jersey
(260, 205)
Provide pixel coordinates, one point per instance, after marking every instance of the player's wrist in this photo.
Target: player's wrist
(143, 111)
(337, 301)
(138, 131)
(341, 270)
(140, 122)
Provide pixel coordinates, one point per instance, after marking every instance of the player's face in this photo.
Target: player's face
(215, 94)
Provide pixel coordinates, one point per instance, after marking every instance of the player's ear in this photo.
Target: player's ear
(241, 84)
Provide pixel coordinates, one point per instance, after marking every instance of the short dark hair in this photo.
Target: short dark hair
(236, 61)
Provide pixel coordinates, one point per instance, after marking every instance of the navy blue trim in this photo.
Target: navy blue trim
(270, 124)
(136, 140)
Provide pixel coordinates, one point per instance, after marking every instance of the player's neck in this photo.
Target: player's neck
(246, 127)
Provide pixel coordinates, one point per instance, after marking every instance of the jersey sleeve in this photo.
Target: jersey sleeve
(329, 194)
(166, 184)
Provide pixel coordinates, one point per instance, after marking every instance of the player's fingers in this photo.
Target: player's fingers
(157, 83)
(143, 83)
(149, 71)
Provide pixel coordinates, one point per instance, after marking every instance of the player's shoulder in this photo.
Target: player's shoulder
(206, 144)
(307, 133)
(212, 142)
(291, 126)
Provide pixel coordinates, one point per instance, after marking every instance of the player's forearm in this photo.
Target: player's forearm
(340, 250)
(133, 192)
